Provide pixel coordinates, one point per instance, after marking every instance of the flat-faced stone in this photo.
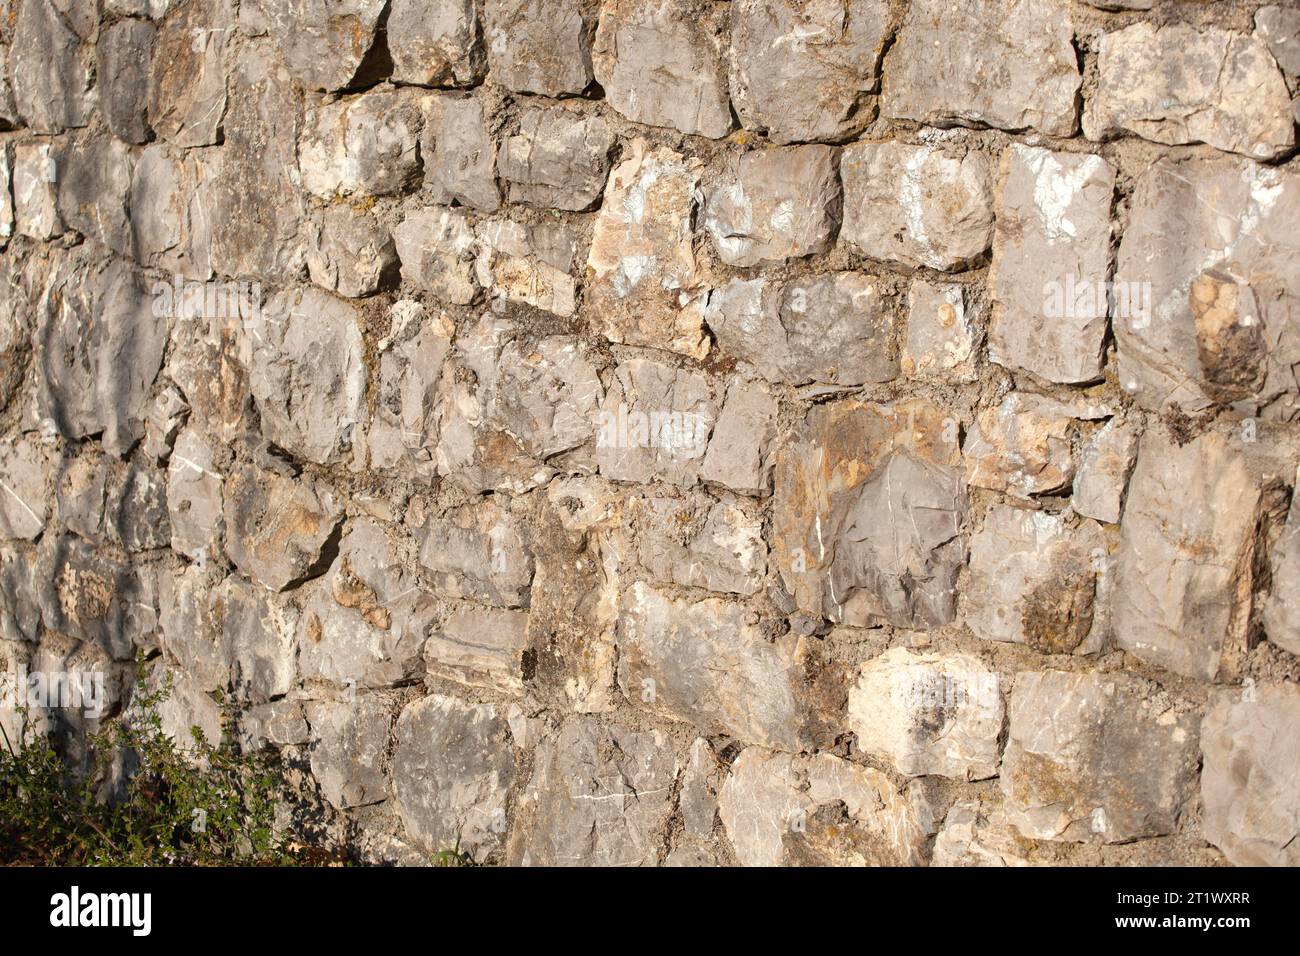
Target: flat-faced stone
(528, 263)
(459, 156)
(436, 246)
(435, 42)
(324, 45)
(739, 455)
(50, 68)
(688, 542)
(556, 159)
(187, 78)
(403, 428)
(351, 253)
(534, 46)
(277, 527)
(361, 146)
(1104, 467)
(1023, 445)
(194, 497)
(348, 741)
(480, 647)
(25, 470)
(478, 551)
(941, 339)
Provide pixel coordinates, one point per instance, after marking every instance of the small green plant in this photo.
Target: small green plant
(453, 857)
(194, 805)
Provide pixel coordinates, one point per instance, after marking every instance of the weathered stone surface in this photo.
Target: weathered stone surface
(279, 723)
(1249, 786)
(121, 74)
(258, 630)
(480, 647)
(917, 205)
(187, 79)
(1033, 579)
(718, 547)
(89, 595)
(556, 159)
(1207, 286)
(704, 663)
(1009, 64)
(452, 771)
(835, 328)
(783, 810)
(276, 527)
(655, 422)
(646, 283)
(351, 253)
(869, 504)
(739, 454)
(1023, 445)
(1179, 84)
(194, 497)
(185, 708)
(1104, 467)
(6, 198)
(775, 204)
(436, 247)
(534, 46)
(9, 118)
(1102, 758)
(161, 185)
(928, 713)
(434, 42)
(698, 796)
(50, 69)
(598, 796)
(1183, 577)
(663, 63)
(94, 188)
(208, 362)
(81, 495)
(477, 551)
(190, 629)
(361, 146)
(1051, 259)
(941, 334)
(35, 176)
(532, 264)
(1279, 27)
(25, 470)
(348, 740)
(802, 72)
(1282, 609)
(403, 429)
(459, 156)
(323, 44)
(975, 833)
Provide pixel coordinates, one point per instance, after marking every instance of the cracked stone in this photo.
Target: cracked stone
(479, 552)
(1104, 467)
(435, 42)
(277, 527)
(436, 248)
(351, 253)
(349, 739)
(717, 548)
(556, 159)
(460, 158)
(480, 647)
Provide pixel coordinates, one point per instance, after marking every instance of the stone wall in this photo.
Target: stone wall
(670, 431)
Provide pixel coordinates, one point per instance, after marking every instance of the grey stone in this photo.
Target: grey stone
(81, 495)
(94, 189)
(835, 328)
(1282, 608)
(137, 510)
(9, 118)
(349, 739)
(308, 375)
(460, 158)
(646, 285)
(1179, 84)
(50, 69)
(556, 159)
(194, 497)
(361, 146)
(1033, 579)
(803, 71)
(122, 76)
(161, 186)
(436, 247)
(191, 633)
(783, 810)
(480, 647)
(325, 45)
(663, 63)
(35, 178)
(928, 713)
(1249, 784)
(435, 42)
(717, 546)
(534, 46)
(1051, 259)
(91, 596)
(698, 796)
(403, 430)
(528, 263)
(25, 471)
(276, 527)
(739, 454)
(1104, 467)
(351, 253)
(975, 833)
(917, 205)
(775, 204)
(187, 79)
(478, 551)
(598, 796)
(1279, 27)
(1009, 64)
(183, 712)
(6, 198)
(258, 631)
(1097, 758)
(942, 337)
(279, 723)
(452, 770)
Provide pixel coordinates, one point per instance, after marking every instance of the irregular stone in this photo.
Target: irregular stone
(460, 158)
(94, 189)
(325, 45)
(1051, 259)
(1022, 445)
(1009, 64)
(352, 253)
(646, 285)
(662, 63)
(783, 810)
(434, 42)
(187, 79)
(161, 187)
(36, 212)
(478, 551)
(1104, 466)
(739, 453)
(1184, 572)
(866, 522)
(194, 498)
(349, 739)
(538, 47)
(1033, 579)
(208, 360)
(480, 647)
(598, 796)
(655, 423)
(81, 496)
(556, 159)
(9, 118)
(718, 548)
(122, 76)
(361, 146)
(88, 595)
(917, 205)
(1282, 608)
(258, 631)
(941, 334)
(835, 328)
(532, 264)
(308, 375)
(6, 198)
(190, 629)
(1249, 785)
(1177, 84)
(698, 796)
(137, 510)
(1207, 287)
(403, 430)
(703, 662)
(25, 469)
(802, 72)
(51, 71)
(976, 834)
(1096, 758)
(928, 713)
(279, 723)
(1279, 27)
(184, 710)
(435, 247)
(277, 527)
(452, 771)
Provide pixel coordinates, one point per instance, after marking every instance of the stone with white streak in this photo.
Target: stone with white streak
(536, 46)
